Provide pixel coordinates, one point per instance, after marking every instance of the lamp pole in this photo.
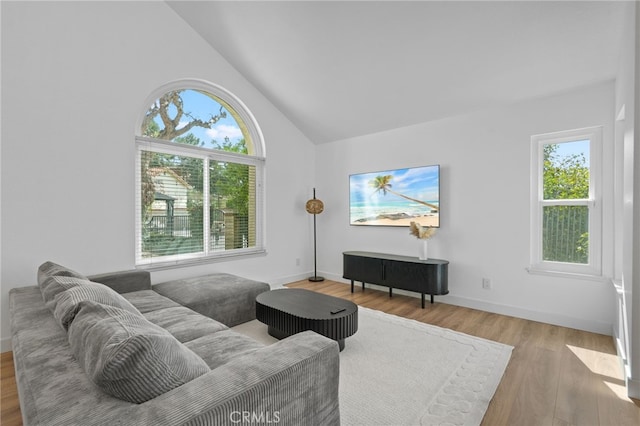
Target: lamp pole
(315, 207)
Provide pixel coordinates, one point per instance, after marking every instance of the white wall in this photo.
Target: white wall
(74, 79)
(633, 381)
(627, 207)
(485, 175)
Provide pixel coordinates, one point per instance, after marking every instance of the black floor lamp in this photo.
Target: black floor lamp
(315, 207)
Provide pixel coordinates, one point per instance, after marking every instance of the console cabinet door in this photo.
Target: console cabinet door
(430, 279)
(365, 269)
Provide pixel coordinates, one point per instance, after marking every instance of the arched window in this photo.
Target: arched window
(199, 176)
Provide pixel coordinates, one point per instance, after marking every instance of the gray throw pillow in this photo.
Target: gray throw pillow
(55, 285)
(67, 303)
(127, 356)
(51, 269)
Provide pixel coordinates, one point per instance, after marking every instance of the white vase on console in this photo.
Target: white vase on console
(423, 249)
(423, 233)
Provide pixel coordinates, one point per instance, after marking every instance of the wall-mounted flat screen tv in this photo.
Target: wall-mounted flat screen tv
(395, 197)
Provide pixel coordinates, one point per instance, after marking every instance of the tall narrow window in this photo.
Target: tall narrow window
(566, 202)
(199, 174)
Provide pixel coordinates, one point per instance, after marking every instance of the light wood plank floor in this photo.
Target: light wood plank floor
(9, 404)
(556, 376)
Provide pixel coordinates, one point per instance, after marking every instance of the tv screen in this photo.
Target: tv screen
(395, 197)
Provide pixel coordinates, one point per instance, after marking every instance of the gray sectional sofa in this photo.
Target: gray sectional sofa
(113, 349)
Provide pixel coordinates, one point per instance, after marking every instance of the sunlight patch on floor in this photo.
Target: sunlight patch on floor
(600, 363)
(619, 390)
(607, 366)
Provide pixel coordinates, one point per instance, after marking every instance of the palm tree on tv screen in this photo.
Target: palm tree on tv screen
(383, 184)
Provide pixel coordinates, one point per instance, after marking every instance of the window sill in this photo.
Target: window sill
(181, 263)
(571, 275)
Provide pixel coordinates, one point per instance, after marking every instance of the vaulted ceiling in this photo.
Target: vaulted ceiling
(341, 69)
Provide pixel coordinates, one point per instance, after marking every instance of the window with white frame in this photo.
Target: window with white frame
(199, 177)
(566, 203)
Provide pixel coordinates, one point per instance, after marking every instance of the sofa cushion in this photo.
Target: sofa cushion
(149, 301)
(219, 348)
(124, 281)
(184, 324)
(127, 356)
(227, 298)
(67, 303)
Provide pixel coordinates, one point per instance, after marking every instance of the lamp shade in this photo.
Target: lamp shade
(314, 206)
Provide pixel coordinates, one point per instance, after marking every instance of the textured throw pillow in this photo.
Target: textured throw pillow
(55, 285)
(67, 303)
(65, 278)
(127, 356)
(50, 269)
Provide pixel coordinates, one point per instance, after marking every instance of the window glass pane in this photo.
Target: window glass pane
(172, 213)
(193, 117)
(566, 170)
(565, 234)
(233, 204)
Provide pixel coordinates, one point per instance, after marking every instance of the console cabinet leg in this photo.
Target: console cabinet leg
(390, 292)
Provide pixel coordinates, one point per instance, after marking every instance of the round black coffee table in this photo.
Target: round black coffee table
(290, 311)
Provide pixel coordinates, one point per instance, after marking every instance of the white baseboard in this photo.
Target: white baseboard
(633, 388)
(545, 317)
(279, 282)
(5, 345)
(514, 311)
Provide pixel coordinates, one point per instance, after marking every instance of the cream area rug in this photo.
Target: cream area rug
(397, 371)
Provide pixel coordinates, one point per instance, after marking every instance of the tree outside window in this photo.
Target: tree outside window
(565, 229)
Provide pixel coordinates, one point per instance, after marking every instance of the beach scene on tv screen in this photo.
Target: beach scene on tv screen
(395, 197)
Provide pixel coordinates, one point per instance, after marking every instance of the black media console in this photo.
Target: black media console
(394, 271)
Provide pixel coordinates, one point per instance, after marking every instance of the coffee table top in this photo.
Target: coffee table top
(306, 303)
(293, 310)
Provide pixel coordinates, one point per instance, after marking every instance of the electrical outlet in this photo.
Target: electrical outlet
(486, 283)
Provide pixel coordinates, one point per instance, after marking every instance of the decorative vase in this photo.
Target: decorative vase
(423, 252)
